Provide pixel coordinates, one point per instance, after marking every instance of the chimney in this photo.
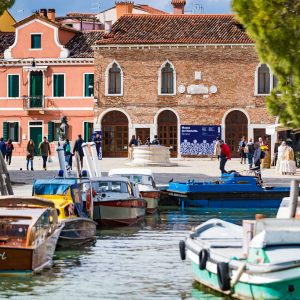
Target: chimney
(124, 7)
(51, 14)
(43, 12)
(178, 6)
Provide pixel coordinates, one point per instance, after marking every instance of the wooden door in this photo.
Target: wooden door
(115, 134)
(143, 134)
(236, 126)
(167, 131)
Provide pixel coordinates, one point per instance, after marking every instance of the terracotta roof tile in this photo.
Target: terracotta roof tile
(6, 40)
(80, 46)
(177, 29)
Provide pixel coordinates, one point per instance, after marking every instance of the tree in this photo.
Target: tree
(275, 28)
(5, 4)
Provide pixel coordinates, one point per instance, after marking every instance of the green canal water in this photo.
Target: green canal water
(133, 263)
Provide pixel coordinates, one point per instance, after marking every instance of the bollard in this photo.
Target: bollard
(95, 159)
(294, 193)
(61, 159)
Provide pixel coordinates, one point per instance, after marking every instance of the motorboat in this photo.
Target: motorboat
(230, 191)
(67, 195)
(259, 260)
(116, 201)
(145, 180)
(29, 231)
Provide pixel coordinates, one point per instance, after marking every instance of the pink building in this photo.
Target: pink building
(46, 73)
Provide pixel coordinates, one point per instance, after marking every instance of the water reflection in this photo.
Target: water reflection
(139, 262)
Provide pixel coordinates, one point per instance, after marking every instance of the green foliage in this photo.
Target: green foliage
(274, 25)
(5, 4)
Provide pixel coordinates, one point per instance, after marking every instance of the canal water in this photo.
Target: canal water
(140, 262)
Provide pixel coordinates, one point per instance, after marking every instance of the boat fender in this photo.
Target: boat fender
(203, 256)
(88, 200)
(182, 250)
(223, 276)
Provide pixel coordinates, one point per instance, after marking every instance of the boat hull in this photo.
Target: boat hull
(31, 259)
(77, 232)
(152, 199)
(119, 212)
(288, 288)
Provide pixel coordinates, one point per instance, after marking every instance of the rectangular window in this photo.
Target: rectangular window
(53, 131)
(36, 41)
(88, 85)
(13, 86)
(11, 131)
(58, 85)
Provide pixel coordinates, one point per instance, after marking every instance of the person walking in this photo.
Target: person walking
(133, 143)
(241, 150)
(97, 141)
(9, 151)
(224, 155)
(68, 154)
(249, 151)
(30, 154)
(257, 160)
(217, 148)
(44, 148)
(2, 147)
(78, 148)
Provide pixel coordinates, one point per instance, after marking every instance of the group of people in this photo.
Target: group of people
(285, 163)
(6, 149)
(249, 150)
(134, 142)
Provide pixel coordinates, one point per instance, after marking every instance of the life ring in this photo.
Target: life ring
(223, 276)
(203, 256)
(182, 250)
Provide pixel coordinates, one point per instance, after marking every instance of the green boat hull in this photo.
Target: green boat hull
(288, 289)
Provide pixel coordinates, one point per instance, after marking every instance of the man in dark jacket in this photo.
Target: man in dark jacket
(78, 148)
(45, 150)
(97, 141)
(2, 147)
(155, 141)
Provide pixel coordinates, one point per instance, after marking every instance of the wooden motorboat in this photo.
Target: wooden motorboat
(66, 194)
(145, 181)
(116, 201)
(29, 231)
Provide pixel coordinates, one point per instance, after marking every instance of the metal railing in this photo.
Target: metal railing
(32, 103)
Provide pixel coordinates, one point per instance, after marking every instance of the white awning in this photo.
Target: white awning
(271, 129)
(35, 69)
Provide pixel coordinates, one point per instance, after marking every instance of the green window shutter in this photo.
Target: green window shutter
(58, 85)
(50, 131)
(13, 86)
(16, 132)
(86, 131)
(88, 85)
(36, 41)
(5, 130)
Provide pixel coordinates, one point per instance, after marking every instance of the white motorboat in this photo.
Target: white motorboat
(145, 180)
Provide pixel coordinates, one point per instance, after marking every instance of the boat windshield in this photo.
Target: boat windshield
(140, 179)
(50, 189)
(111, 186)
(13, 230)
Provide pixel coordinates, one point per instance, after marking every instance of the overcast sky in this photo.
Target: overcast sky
(24, 8)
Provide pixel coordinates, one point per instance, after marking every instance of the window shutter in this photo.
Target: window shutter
(88, 85)
(16, 132)
(5, 130)
(50, 131)
(58, 85)
(86, 131)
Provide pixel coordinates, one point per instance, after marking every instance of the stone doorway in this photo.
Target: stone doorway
(236, 126)
(115, 134)
(167, 125)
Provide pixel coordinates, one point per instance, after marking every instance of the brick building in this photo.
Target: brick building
(157, 73)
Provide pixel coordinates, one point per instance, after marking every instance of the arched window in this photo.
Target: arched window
(114, 81)
(167, 79)
(263, 84)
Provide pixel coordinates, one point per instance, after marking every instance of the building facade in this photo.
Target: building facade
(46, 73)
(159, 74)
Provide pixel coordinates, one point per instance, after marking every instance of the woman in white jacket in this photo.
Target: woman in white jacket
(281, 151)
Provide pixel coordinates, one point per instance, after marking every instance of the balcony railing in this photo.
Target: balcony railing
(34, 103)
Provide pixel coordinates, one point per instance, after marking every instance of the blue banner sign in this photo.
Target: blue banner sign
(98, 145)
(198, 139)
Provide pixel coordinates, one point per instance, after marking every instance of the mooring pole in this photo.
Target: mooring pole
(294, 194)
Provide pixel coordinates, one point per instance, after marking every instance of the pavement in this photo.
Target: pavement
(200, 169)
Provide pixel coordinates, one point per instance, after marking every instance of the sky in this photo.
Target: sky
(24, 8)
